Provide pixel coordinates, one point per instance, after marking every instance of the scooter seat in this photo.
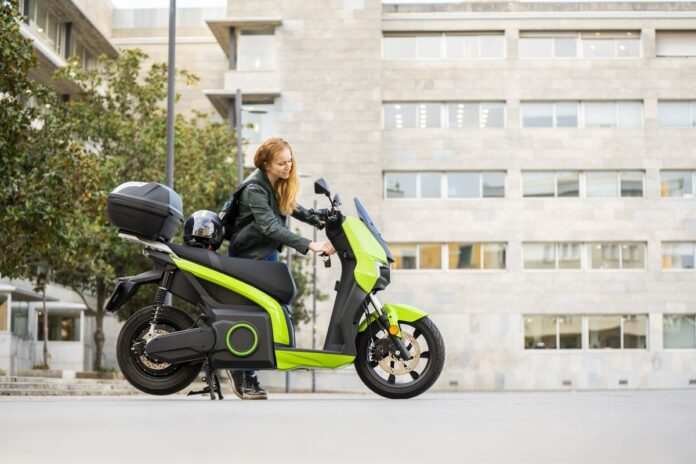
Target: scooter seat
(271, 277)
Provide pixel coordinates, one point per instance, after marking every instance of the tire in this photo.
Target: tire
(421, 337)
(141, 371)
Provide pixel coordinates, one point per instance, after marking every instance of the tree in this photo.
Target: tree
(45, 180)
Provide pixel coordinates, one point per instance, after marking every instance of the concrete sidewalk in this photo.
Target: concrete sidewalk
(562, 427)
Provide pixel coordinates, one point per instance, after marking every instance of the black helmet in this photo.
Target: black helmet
(204, 229)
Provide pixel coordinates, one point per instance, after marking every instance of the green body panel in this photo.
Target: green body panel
(367, 250)
(402, 312)
(288, 360)
(272, 307)
(248, 327)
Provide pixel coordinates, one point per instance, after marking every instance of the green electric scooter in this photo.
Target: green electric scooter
(244, 320)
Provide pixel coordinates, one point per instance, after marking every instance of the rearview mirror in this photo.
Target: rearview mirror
(320, 186)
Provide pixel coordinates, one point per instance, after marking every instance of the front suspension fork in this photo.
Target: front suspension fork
(387, 321)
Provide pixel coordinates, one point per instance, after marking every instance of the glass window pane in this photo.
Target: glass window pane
(493, 255)
(538, 184)
(566, 47)
(676, 184)
(539, 255)
(628, 48)
(679, 330)
(604, 255)
(602, 183)
(256, 51)
(259, 122)
(673, 114)
(400, 115)
(631, 184)
(492, 46)
(599, 48)
(60, 328)
(570, 332)
(428, 47)
(536, 47)
(19, 323)
(454, 46)
(41, 18)
(568, 183)
(400, 184)
(537, 114)
(569, 256)
(566, 114)
(635, 331)
(399, 48)
(429, 115)
(693, 114)
(600, 114)
(630, 114)
(430, 256)
(463, 115)
(492, 115)
(430, 185)
(464, 255)
(633, 256)
(463, 185)
(677, 255)
(605, 332)
(470, 46)
(540, 332)
(52, 31)
(493, 184)
(404, 255)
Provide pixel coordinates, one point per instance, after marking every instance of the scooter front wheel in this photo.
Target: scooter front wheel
(392, 377)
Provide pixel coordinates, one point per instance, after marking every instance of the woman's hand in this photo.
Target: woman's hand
(322, 247)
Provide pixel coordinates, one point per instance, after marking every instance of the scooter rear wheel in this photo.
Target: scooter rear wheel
(389, 376)
(145, 373)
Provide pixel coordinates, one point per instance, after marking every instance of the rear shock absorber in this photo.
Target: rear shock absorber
(160, 297)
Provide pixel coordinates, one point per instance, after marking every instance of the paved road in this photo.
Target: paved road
(564, 427)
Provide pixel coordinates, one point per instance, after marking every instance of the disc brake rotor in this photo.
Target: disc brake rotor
(148, 361)
(396, 366)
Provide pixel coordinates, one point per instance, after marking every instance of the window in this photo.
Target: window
(60, 327)
(679, 330)
(4, 308)
(476, 255)
(476, 115)
(678, 184)
(544, 332)
(601, 44)
(259, 122)
(434, 184)
(678, 255)
(20, 321)
(412, 115)
(616, 255)
(417, 256)
(596, 184)
(256, 49)
(552, 255)
(401, 184)
(622, 114)
(449, 45)
(473, 46)
(561, 44)
(46, 24)
(676, 113)
(676, 43)
(552, 332)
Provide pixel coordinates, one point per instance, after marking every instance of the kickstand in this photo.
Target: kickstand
(213, 384)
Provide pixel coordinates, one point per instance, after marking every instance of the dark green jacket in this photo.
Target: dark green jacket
(263, 227)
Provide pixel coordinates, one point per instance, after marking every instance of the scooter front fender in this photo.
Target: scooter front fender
(399, 312)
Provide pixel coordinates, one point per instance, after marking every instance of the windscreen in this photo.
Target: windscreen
(367, 220)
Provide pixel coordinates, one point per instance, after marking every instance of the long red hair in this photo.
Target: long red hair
(285, 189)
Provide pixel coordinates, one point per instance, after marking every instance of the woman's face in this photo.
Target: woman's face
(281, 164)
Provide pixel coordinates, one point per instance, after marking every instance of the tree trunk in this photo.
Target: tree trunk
(46, 354)
(99, 332)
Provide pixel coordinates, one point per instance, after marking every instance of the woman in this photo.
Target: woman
(263, 207)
